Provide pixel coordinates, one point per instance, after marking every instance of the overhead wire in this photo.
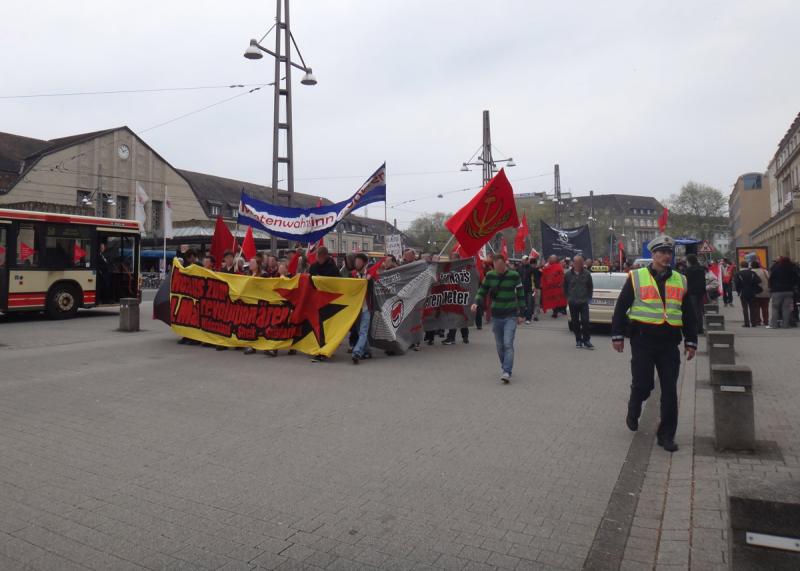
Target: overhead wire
(122, 91)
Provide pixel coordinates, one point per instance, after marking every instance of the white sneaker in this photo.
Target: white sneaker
(505, 377)
(527, 322)
(770, 327)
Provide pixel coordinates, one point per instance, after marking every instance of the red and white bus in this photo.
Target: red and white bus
(59, 263)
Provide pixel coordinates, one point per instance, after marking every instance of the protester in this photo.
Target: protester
(361, 349)
(409, 256)
(537, 288)
(656, 324)
(526, 276)
(696, 284)
(324, 265)
(578, 288)
(190, 257)
(271, 269)
(553, 287)
(503, 286)
(283, 269)
(208, 262)
(727, 271)
(747, 285)
(783, 279)
(451, 333)
(760, 315)
(348, 266)
(228, 266)
(253, 269)
(389, 262)
(712, 285)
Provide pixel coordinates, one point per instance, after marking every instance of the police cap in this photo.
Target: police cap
(661, 242)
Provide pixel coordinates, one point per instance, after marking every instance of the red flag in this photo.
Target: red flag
(77, 253)
(249, 245)
(522, 232)
(662, 220)
(534, 253)
(621, 250)
(221, 241)
(376, 267)
(293, 263)
(489, 211)
(553, 287)
(25, 251)
(503, 247)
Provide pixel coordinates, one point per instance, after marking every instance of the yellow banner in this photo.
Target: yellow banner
(310, 314)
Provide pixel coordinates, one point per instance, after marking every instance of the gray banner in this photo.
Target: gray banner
(447, 305)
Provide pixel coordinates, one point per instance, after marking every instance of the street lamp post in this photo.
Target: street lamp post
(283, 67)
(487, 163)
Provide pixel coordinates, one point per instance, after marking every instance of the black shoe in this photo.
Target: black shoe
(536, 319)
(429, 341)
(632, 422)
(466, 340)
(579, 345)
(668, 445)
(249, 351)
(221, 348)
(355, 358)
(292, 352)
(271, 353)
(183, 341)
(588, 345)
(449, 342)
(478, 327)
(745, 325)
(318, 358)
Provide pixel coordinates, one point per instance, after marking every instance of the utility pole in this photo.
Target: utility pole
(486, 155)
(557, 196)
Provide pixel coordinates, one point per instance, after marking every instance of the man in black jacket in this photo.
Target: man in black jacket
(655, 345)
(324, 265)
(748, 284)
(696, 282)
(525, 272)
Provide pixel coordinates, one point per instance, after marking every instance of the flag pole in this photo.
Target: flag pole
(447, 244)
(166, 205)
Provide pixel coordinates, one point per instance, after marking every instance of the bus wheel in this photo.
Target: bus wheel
(63, 302)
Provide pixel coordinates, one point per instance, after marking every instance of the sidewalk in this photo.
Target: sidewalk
(681, 519)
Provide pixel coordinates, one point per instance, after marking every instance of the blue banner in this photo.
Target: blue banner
(308, 225)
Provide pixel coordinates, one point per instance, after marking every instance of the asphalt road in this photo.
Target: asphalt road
(127, 450)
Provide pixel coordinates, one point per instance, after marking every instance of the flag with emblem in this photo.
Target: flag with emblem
(489, 211)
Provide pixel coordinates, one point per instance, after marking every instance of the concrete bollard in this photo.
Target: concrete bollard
(734, 419)
(711, 308)
(764, 522)
(721, 350)
(129, 314)
(715, 322)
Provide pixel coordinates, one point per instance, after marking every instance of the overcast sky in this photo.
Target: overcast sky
(633, 97)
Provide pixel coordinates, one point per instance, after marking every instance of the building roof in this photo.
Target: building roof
(792, 128)
(622, 202)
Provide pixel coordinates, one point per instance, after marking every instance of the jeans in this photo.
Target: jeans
(529, 305)
(749, 311)
(727, 293)
(504, 330)
(361, 347)
(451, 334)
(781, 302)
(579, 317)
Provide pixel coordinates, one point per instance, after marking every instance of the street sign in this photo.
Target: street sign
(706, 248)
(394, 245)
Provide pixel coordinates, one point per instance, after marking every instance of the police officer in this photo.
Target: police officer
(655, 303)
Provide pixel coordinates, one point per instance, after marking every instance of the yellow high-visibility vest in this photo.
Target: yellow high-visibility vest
(648, 307)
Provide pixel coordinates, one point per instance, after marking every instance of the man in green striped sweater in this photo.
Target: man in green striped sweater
(508, 308)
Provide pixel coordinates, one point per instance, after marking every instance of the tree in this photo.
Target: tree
(695, 210)
(428, 231)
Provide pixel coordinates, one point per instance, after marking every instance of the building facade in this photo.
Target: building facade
(97, 173)
(748, 206)
(781, 231)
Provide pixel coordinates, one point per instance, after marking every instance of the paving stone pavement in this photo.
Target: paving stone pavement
(682, 514)
(128, 451)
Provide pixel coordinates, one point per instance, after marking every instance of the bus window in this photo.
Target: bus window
(27, 247)
(67, 247)
(3, 246)
(120, 252)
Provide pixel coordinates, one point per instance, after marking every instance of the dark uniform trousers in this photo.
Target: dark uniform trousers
(649, 354)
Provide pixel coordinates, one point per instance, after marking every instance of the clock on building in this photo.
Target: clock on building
(123, 151)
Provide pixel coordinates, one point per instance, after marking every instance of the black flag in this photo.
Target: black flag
(566, 241)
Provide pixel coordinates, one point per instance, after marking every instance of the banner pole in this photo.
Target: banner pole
(447, 244)
(166, 205)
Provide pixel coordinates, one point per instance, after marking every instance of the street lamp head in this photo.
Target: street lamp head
(308, 78)
(464, 167)
(252, 51)
(439, 196)
(511, 162)
(574, 200)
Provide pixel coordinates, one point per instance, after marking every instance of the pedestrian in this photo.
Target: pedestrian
(578, 288)
(760, 314)
(656, 304)
(271, 267)
(253, 269)
(537, 288)
(727, 271)
(696, 280)
(451, 333)
(209, 261)
(783, 279)
(748, 285)
(409, 256)
(525, 271)
(348, 266)
(553, 285)
(361, 349)
(228, 266)
(503, 286)
(324, 265)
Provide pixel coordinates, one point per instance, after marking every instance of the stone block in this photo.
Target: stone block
(715, 322)
(734, 419)
(767, 506)
(129, 314)
(721, 348)
(711, 308)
